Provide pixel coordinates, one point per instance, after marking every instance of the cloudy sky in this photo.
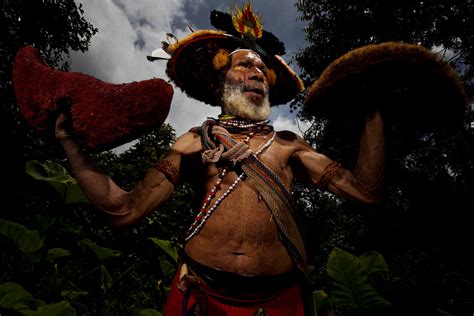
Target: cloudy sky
(131, 29)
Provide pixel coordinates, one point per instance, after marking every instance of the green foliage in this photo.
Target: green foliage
(422, 228)
(102, 253)
(168, 247)
(14, 296)
(73, 294)
(82, 261)
(27, 240)
(61, 308)
(55, 246)
(56, 28)
(149, 312)
(56, 253)
(350, 288)
(57, 176)
(334, 28)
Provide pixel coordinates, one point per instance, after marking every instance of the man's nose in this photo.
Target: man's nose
(256, 74)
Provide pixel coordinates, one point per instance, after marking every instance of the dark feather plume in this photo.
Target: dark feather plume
(269, 42)
(223, 22)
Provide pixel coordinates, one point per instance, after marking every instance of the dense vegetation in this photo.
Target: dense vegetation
(422, 228)
(59, 256)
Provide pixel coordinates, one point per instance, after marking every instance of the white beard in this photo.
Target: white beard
(234, 102)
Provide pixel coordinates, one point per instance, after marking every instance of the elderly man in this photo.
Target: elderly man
(244, 253)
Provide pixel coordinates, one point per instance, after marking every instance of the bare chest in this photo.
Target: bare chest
(239, 232)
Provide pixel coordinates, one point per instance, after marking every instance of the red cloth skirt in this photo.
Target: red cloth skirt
(287, 302)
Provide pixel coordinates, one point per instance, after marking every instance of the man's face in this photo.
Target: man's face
(248, 70)
(246, 87)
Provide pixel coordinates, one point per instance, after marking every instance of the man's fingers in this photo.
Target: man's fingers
(63, 127)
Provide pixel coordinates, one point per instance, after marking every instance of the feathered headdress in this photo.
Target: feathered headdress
(407, 82)
(195, 61)
(246, 22)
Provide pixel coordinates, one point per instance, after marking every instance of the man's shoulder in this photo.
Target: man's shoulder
(288, 136)
(187, 144)
(292, 140)
(192, 134)
(195, 130)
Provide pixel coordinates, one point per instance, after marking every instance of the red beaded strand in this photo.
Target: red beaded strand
(205, 213)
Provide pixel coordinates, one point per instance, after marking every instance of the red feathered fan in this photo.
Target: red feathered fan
(104, 115)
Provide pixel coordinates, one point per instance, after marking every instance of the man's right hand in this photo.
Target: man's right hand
(63, 127)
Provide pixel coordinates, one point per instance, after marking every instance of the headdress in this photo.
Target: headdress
(196, 61)
(409, 83)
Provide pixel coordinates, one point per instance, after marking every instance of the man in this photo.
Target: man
(243, 253)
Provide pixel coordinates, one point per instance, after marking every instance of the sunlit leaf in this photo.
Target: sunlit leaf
(106, 278)
(57, 309)
(350, 288)
(13, 296)
(373, 262)
(55, 253)
(166, 267)
(101, 252)
(27, 240)
(149, 312)
(72, 295)
(58, 177)
(322, 302)
(167, 246)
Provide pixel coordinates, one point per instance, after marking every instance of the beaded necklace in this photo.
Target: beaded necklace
(204, 212)
(233, 124)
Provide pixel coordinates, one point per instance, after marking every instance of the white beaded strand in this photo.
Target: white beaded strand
(201, 219)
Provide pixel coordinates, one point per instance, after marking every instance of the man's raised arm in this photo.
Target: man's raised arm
(122, 207)
(369, 171)
(365, 183)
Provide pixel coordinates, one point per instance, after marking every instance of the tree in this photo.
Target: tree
(335, 27)
(58, 249)
(58, 254)
(55, 28)
(421, 229)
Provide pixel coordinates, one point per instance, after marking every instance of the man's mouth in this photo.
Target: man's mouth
(255, 90)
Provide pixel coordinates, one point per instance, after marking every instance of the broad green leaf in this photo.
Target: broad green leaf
(101, 252)
(65, 225)
(57, 309)
(364, 297)
(322, 302)
(106, 278)
(42, 223)
(350, 288)
(166, 267)
(342, 265)
(58, 177)
(167, 247)
(27, 240)
(57, 253)
(373, 262)
(149, 312)
(13, 296)
(348, 279)
(72, 295)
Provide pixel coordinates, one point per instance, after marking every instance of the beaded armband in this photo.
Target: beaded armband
(170, 172)
(328, 173)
